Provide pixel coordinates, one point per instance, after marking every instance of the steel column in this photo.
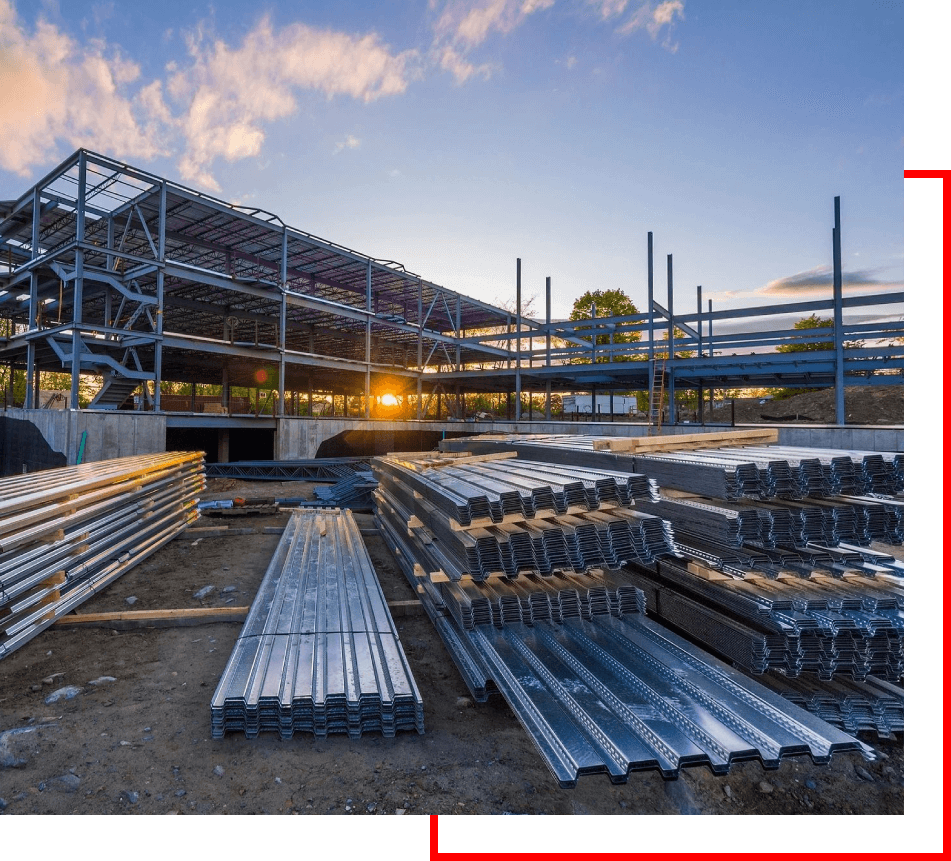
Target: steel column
(282, 333)
(366, 384)
(419, 353)
(548, 346)
(518, 339)
(160, 295)
(837, 318)
(671, 389)
(31, 371)
(78, 281)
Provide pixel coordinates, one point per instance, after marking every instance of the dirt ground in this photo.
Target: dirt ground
(864, 405)
(136, 738)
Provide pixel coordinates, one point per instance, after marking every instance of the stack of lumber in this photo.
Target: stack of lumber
(67, 533)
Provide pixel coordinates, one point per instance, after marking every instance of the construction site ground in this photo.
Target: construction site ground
(136, 737)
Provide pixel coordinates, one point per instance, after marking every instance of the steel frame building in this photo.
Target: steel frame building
(109, 270)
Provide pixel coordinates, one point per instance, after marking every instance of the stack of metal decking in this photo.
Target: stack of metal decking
(354, 491)
(599, 687)
(505, 517)
(828, 626)
(67, 533)
(873, 704)
(807, 596)
(318, 652)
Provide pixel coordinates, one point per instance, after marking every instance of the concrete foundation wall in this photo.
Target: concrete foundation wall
(108, 434)
(299, 438)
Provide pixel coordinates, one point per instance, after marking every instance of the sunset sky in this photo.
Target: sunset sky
(454, 137)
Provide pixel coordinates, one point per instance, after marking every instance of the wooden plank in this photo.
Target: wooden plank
(619, 444)
(129, 619)
(405, 608)
(479, 458)
(672, 442)
(706, 573)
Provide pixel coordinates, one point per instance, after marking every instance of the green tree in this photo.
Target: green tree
(607, 303)
(795, 346)
(805, 324)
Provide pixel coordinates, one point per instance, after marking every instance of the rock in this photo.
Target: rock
(102, 680)
(179, 793)
(278, 780)
(3, 804)
(66, 693)
(52, 678)
(125, 743)
(36, 688)
(219, 771)
(13, 749)
(131, 600)
(371, 807)
(204, 592)
(463, 702)
(227, 590)
(764, 787)
(65, 783)
(399, 811)
(727, 791)
(809, 784)
(129, 795)
(861, 772)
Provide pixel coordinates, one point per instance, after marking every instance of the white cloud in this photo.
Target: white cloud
(349, 142)
(54, 89)
(463, 26)
(230, 93)
(649, 16)
(214, 104)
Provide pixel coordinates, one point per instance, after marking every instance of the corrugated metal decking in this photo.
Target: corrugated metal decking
(319, 651)
(604, 693)
(67, 533)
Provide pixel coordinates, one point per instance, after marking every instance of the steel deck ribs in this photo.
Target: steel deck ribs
(67, 533)
(319, 651)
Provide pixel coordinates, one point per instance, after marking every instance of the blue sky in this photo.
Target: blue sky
(456, 136)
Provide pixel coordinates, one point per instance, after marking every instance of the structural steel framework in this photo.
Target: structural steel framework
(108, 270)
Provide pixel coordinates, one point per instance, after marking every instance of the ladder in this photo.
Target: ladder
(656, 409)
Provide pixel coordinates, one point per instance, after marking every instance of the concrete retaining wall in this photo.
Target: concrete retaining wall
(108, 434)
(299, 438)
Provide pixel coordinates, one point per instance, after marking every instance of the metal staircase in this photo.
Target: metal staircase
(121, 376)
(656, 410)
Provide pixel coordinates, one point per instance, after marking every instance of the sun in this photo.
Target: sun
(389, 400)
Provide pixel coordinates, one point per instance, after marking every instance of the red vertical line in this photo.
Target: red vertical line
(433, 837)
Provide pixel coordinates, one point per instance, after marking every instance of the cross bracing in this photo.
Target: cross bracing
(109, 270)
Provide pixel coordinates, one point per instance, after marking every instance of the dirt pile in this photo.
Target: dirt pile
(864, 405)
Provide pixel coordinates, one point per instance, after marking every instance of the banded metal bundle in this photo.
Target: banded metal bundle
(873, 704)
(492, 491)
(67, 533)
(355, 491)
(878, 518)
(544, 545)
(853, 626)
(729, 524)
(611, 694)
(529, 600)
(765, 472)
(319, 651)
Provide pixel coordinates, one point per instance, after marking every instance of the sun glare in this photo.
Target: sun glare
(389, 401)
